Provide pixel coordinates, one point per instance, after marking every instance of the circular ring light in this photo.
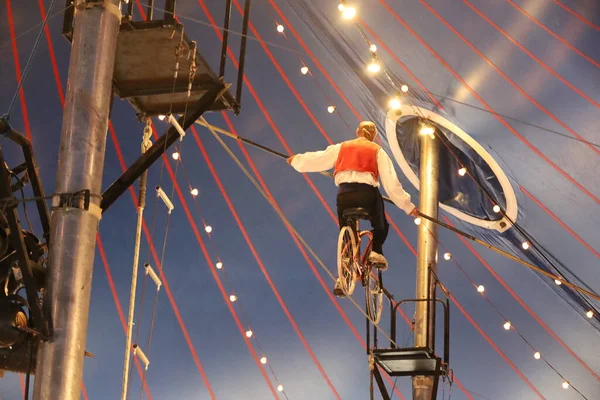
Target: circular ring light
(410, 111)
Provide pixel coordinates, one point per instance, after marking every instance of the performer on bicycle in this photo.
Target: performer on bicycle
(358, 164)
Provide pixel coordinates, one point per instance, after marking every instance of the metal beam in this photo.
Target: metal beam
(74, 223)
(426, 258)
(144, 162)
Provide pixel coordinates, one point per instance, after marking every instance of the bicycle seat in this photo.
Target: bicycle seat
(356, 213)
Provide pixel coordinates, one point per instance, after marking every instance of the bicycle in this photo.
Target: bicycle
(353, 266)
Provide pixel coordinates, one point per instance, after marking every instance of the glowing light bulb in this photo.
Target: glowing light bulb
(280, 28)
(280, 388)
(480, 289)
(462, 171)
(418, 221)
(496, 208)
(374, 66)
(331, 109)
(447, 256)
(558, 283)
(176, 156)
(426, 130)
(263, 360)
(208, 228)
(373, 48)
(304, 70)
(507, 325)
(194, 192)
(404, 88)
(565, 385)
(248, 333)
(219, 265)
(341, 7)
(395, 103)
(233, 298)
(525, 245)
(162, 117)
(589, 314)
(537, 355)
(348, 12)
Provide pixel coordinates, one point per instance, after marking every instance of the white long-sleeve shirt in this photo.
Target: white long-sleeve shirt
(317, 161)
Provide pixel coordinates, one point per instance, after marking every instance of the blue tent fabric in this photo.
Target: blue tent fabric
(544, 317)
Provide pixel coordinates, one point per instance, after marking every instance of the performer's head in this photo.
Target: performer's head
(367, 129)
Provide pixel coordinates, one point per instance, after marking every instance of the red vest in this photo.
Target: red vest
(358, 155)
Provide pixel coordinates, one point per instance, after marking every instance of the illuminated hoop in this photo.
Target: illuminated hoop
(407, 111)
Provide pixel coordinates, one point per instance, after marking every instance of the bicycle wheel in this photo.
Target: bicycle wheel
(346, 260)
(374, 296)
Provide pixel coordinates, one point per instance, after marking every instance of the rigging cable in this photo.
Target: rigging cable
(29, 60)
(422, 92)
(593, 295)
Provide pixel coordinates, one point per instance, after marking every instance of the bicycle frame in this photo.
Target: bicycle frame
(358, 234)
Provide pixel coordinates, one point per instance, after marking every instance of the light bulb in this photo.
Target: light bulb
(304, 70)
(507, 325)
(537, 355)
(373, 48)
(162, 117)
(404, 88)
(426, 130)
(233, 298)
(589, 314)
(194, 192)
(263, 360)
(496, 208)
(525, 245)
(462, 171)
(219, 265)
(418, 221)
(248, 333)
(480, 289)
(341, 7)
(374, 66)
(447, 256)
(395, 103)
(280, 388)
(348, 12)
(176, 156)
(280, 28)
(557, 282)
(330, 109)
(208, 228)
(565, 385)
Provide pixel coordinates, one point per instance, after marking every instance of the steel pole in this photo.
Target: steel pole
(74, 225)
(426, 257)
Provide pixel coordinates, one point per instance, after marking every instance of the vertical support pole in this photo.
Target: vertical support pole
(426, 257)
(74, 227)
(146, 144)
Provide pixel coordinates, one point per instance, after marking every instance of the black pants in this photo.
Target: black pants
(354, 195)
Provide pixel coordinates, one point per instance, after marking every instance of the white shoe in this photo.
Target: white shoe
(378, 260)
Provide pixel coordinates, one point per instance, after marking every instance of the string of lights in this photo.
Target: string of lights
(507, 325)
(233, 297)
(377, 65)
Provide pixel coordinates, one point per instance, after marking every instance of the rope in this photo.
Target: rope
(29, 60)
(146, 144)
(286, 221)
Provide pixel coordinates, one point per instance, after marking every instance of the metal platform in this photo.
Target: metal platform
(145, 68)
(408, 361)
